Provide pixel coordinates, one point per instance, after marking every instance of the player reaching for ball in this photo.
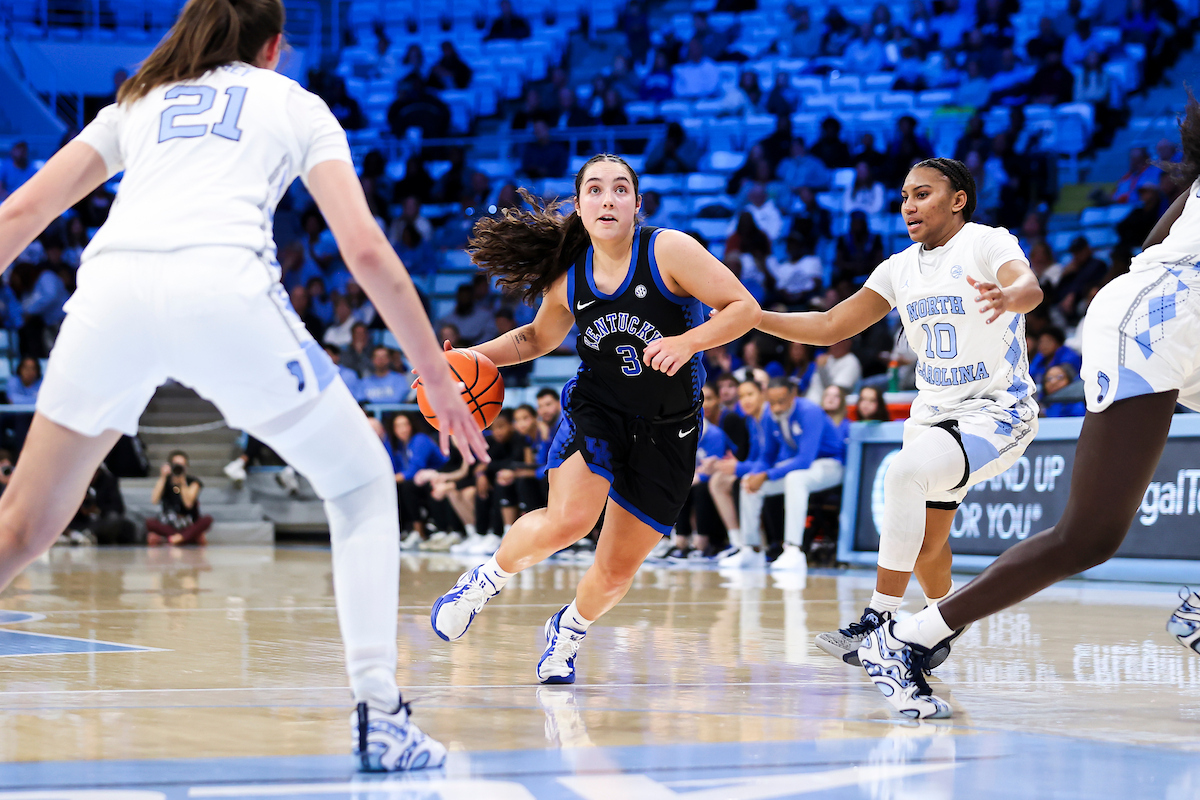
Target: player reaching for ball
(961, 290)
(209, 137)
(626, 443)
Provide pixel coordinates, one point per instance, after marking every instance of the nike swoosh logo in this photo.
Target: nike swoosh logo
(582, 306)
(685, 433)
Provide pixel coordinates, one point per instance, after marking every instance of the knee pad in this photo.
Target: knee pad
(330, 443)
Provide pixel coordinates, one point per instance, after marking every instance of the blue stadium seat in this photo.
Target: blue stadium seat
(698, 183)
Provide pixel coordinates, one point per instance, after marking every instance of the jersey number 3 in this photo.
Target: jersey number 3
(227, 128)
(632, 365)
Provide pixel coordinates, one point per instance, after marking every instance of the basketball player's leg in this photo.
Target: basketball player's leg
(935, 559)
(45, 490)
(624, 544)
(1100, 509)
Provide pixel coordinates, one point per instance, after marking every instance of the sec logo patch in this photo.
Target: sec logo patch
(640, 291)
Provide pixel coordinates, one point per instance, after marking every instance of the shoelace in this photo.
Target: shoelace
(863, 626)
(920, 668)
(565, 648)
(476, 593)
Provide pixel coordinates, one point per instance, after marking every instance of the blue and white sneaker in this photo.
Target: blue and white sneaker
(897, 669)
(1184, 624)
(386, 742)
(562, 643)
(454, 611)
(844, 643)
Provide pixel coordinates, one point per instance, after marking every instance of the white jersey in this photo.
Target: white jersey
(963, 364)
(1182, 244)
(207, 160)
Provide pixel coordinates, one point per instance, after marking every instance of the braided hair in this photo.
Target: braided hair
(960, 180)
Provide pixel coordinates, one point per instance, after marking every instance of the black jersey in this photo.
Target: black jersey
(615, 328)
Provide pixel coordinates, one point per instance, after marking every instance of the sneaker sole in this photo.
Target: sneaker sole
(850, 657)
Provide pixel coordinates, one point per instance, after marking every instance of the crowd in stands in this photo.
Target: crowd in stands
(802, 215)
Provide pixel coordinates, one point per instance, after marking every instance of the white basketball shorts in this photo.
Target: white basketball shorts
(992, 437)
(212, 318)
(1142, 336)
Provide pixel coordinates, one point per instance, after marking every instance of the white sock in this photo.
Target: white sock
(735, 537)
(470, 530)
(929, 601)
(925, 628)
(885, 602)
(365, 533)
(491, 570)
(574, 620)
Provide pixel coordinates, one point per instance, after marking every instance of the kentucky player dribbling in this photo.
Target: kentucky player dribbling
(181, 283)
(626, 443)
(961, 290)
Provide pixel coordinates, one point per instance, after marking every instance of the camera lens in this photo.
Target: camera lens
(177, 469)
(6, 470)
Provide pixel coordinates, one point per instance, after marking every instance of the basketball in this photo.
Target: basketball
(483, 388)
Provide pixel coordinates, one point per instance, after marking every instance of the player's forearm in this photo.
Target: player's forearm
(516, 347)
(733, 322)
(809, 327)
(1024, 294)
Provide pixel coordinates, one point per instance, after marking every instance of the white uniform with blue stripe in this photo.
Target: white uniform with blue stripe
(968, 371)
(1142, 331)
(181, 281)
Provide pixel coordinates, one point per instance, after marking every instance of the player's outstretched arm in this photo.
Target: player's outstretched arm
(1018, 291)
(690, 270)
(848, 318)
(547, 331)
(377, 268)
(68, 177)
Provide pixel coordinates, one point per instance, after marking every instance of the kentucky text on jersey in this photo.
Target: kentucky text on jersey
(619, 323)
(952, 376)
(928, 306)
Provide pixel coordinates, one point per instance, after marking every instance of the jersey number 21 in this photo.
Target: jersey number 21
(227, 128)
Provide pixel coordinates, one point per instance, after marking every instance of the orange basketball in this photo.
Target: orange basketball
(483, 388)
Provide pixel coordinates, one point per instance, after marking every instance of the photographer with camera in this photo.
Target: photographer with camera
(179, 522)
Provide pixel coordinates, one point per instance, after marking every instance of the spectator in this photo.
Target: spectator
(6, 469)
(906, 149)
(778, 145)
(1041, 261)
(382, 384)
(749, 248)
(549, 412)
(417, 182)
(750, 93)
(754, 167)
(543, 158)
(675, 153)
(802, 169)
(713, 42)
(783, 99)
(871, 406)
(697, 76)
(1078, 44)
(450, 71)
(41, 292)
(15, 171)
(344, 107)
(1053, 83)
(474, 324)
(864, 194)
(634, 22)
(508, 25)
(23, 389)
(765, 212)
(319, 301)
(829, 147)
(833, 403)
(411, 452)
(1141, 173)
(531, 111)
(624, 80)
(864, 53)
(1082, 273)
(1134, 229)
(570, 114)
(338, 333)
(360, 307)
(418, 255)
(858, 250)
(349, 376)
(809, 219)
(410, 216)
(867, 152)
(357, 356)
(837, 366)
(653, 211)
(805, 41)
(1052, 351)
(1140, 24)
(1048, 39)
(448, 332)
(612, 113)
(659, 82)
(101, 518)
(951, 22)
(179, 522)
(798, 279)
(973, 92)
(837, 34)
(1094, 86)
(417, 107)
(299, 299)
(1057, 399)
(76, 240)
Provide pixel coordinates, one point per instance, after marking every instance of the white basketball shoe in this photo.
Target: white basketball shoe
(1184, 624)
(897, 669)
(386, 742)
(455, 610)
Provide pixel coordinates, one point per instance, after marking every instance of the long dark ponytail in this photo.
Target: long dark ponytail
(528, 250)
(208, 34)
(960, 180)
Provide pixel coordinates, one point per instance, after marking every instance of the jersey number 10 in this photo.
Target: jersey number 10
(227, 128)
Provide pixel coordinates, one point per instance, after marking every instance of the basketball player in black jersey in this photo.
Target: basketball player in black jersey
(626, 442)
